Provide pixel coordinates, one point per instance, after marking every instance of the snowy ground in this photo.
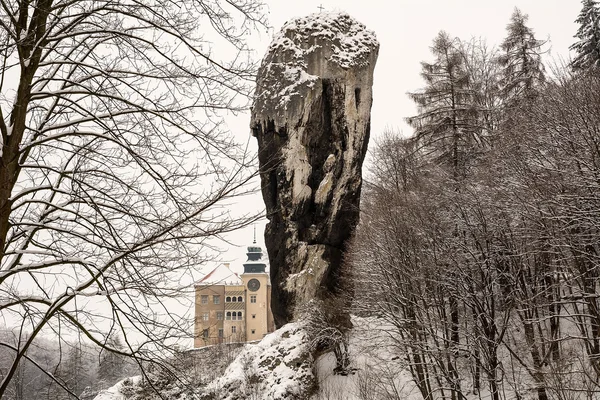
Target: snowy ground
(114, 392)
(378, 371)
(280, 367)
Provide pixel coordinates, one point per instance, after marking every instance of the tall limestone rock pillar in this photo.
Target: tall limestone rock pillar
(311, 118)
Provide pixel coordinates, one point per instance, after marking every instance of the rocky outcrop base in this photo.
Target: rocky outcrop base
(277, 368)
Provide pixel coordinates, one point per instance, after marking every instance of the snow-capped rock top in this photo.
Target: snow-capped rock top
(351, 42)
(307, 49)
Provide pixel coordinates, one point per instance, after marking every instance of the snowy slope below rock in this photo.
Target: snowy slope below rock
(277, 368)
(280, 367)
(115, 392)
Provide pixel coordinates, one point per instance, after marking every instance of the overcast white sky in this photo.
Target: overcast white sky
(405, 29)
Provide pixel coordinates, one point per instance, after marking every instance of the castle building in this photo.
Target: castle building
(231, 307)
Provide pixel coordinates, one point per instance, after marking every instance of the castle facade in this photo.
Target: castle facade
(231, 307)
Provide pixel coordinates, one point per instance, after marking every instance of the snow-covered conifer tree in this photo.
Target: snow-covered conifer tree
(587, 48)
(444, 124)
(521, 60)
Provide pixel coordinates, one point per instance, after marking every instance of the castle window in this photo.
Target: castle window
(253, 316)
(253, 331)
(205, 316)
(233, 329)
(219, 316)
(227, 299)
(216, 299)
(234, 316)
(205, 333)
(240, 299)
(234, 299)
(240, 315)
(220, 333)
(204, 299)
(228, 316)
(252, 298)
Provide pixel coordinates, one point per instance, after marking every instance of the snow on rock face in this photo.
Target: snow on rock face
(277, 368)
(311, 117)
(351, 42)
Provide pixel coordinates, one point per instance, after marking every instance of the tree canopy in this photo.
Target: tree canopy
(116, 168)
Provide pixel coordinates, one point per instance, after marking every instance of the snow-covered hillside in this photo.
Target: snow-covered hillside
(118, 391)
(280, 367)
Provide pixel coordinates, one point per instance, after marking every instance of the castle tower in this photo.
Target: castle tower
(231, 307)
(259, 319)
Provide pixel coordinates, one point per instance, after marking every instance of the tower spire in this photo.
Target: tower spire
(255, 264)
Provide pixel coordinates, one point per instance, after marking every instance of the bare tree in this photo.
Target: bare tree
(557, 161)
(517, 244)
(116, 168)
(327, 331)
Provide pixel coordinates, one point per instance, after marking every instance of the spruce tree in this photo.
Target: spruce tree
(76, 369)
(111, 366)
(587, 48)
(445, 122)
(447, 127)
(521, 61)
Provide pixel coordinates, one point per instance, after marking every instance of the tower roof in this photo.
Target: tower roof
(255, 263)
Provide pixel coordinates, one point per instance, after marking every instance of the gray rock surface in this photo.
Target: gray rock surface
(311, 118)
